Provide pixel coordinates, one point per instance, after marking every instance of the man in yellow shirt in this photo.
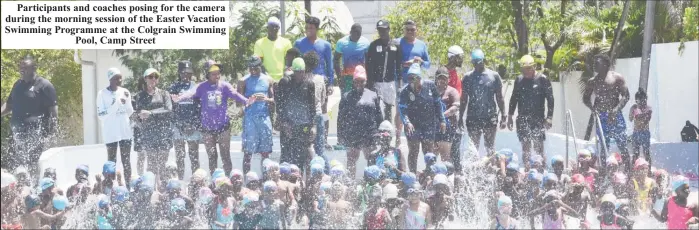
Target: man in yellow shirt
(272, 49)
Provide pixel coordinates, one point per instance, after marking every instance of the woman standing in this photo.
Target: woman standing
(213, 96)
(422, 113)
(450, 98)
(358, 119)
(154, 109)
(114, 109)
(186, 120)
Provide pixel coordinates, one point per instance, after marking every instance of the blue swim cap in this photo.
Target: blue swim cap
(408, 178)
(556, 159)
(31, 201)
(318, 160)
(430, 158)
(325, 186)
(173, 184)
(477, 55)
(46, 183)
(60, 203)
(103, 201)
(121, 194)
(439, 168)
(147, 181)
(679, 181)
(269, 186)
(536, 158)
(337, 171)
(83, 168)
(513, 166)
(250, 197)
(317, 168)
(109, 168)
(533, 175)
(549, 177)
(285, 168)
(217, 173)
(504, 200)
(270, 165)
(372, 172)
(508, 154)
(177, 204)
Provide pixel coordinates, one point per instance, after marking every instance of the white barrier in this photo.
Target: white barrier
(674, 157)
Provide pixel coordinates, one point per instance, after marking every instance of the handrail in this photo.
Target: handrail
(601, 137)
(569, 124)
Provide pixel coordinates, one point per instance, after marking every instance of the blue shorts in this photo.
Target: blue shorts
(422, 134)
(641, 138)
(257, 134)
(616, 130)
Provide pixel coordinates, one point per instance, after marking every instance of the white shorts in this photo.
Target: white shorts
(387, 92)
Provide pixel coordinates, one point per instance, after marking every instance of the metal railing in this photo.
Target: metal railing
(570, 128)
(601, 139)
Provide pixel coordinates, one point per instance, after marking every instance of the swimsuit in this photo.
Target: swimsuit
(552, 224)
(642, 195)
(414, 220)
(511, 226)
(377, 220)
(614, 225)
(677, 216)
(223, 215)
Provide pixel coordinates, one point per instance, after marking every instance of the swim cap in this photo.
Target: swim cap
(109, 168)
(608, 198)
(659, 172)
(527, 60)
(372, 172)
(31, 201)
(205, 195)
(177, 204)
(359, 72)
(415, 70)
(578, 178)
(298, 64)
(325, 186)
(390, 191)
(83, 168)
(386, 126)
(218, 173)
(508, 154)
(376, 192)
(334, 163)
(46, 183)
(337, 171)
(148, 181)
(439, 168)
(549, 177)
(252, 176)
(430, 158)
(317, 169)
(504, 200)
(536, 158)
(556, 159)
(60, 203)
(250, 197)
(440, 179)
(103, 201)
(270, 165)
(640, 162)
(8, 180)
(678, 181)
(200, 175)
(408, 178)
(513, 166)
(236, 173)
(221, 181)
(611, 160)
(477, 56)
(121, 194)
(285, 168)
(584, 154)
(269, 186)
(318, 160)
(173, 184)
(620, 178)
(533, 175)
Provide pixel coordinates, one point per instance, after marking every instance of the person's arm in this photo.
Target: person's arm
(514, 98)
(631, 115)
(456, 102)
(403, 107)
(105, 111)
(337, 58)
(662, 217)
(439, 104)
(227, 90)
(464, 100)
(329, 65)
(549, 98)
(624, 91)
(48, 217)
(587, 95)
(500, 99)
(425, 58)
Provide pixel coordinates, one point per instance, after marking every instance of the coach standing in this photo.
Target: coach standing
(34, 107)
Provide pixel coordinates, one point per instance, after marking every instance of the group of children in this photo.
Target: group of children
(388, 196)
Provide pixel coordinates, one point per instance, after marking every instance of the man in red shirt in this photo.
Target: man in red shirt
(456, 59)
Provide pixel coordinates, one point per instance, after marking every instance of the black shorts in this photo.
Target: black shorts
(531, 128)
(226, 127)
(482, 124)
(359, 141)
(448, 135)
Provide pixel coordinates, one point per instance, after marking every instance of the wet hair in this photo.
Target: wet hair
(311, 59)
(641, 94)
(604, 58)
(313, 21)
(409, 23)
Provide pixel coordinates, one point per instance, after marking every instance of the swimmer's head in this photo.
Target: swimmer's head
(414, 194)
(408, 179)
(217, 173)
(372, 174)
(390, 191)
(680, 185)
(82, 172)
(317, 170)
(534, 177)
(269, 189)
(178, 206)
(430, 159)
(32, 202)
(641, 166)
(253, 180)
(237, 178)
(505, 205)
(174, 186)
(550, 180)
(439, 168)
(385, 134)
(46, 184)
(272, 170)
(50, 173)
(620, 178)
(121, 194)
(205, 196)
(199, 176)
(103, 201)
(557, 164)
(337, 172)
(284, 170)
(337, 190)
(441, 184)
(507, 154)
(324, 188)
(608, 204)
(109, 170)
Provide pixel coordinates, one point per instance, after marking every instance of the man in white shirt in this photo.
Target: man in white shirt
(114, 109)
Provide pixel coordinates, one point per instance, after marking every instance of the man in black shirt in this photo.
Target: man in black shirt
(384, 67)
(296, 108)
(34, 120)
(186, 119)
(531, 89)
(689, 133)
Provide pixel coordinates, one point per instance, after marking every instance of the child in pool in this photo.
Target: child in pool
(310, 192)
(11, 202)
(224, 208)
(203, 207)
(426, 175)
(47, 193)
(253, 182)
(250, 217)
(643, 194)
(174, 191)
(610, 220)
(503, 221)
(585, 168)
(33, 215)
(105, 219)
(78, 192)
(553, 211)
(376, 216)
(621, 186)
(318, 217)
(387, 157)
(534, 195)
(272, 207)
(291, 204)
(677, 211)
(196, 182)
(179, 214)
(105, 183)
(537, 162)
(372, 177)
(578, 197)
(237, 184)
(415, 214)
(338, 207)
(441, 201)
(120, 206)
(407, 180)
(558, 166)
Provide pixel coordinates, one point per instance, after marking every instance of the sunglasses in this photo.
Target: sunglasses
(153, 76)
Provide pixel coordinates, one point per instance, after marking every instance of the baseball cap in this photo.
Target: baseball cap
(298, 64)
(254, 61)
(150, 71)
(185, 67)
(454, 51)
(477, 56)
(211, 66)
(415, 69)
(112, 72)
(527, 60)
(273, 21)
(383, 24)
(442, 72)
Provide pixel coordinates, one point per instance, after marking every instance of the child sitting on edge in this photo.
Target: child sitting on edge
(503, 221)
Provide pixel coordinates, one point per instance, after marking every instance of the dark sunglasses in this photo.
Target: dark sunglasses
(152, 76)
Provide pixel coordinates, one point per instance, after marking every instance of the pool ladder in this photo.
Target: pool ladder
(600, 143)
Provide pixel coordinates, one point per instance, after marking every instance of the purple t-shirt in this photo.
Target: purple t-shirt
(214, 104)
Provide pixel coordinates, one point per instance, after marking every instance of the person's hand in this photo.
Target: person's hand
(144, 114)
(442, 127)
(510, 123)
(409, 129)
(329, 90)
(548, 123)
(503, 121)
(408, 63)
